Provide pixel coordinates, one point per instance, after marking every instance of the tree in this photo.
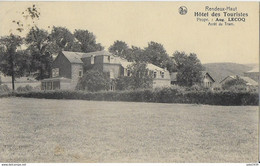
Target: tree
(87, 41)
(64, 40)
(11, 57)
(234, 84)
(40, 49)
(188, 67)
(121, 49)
(140, 78)
(137, 54)
(94, 80)
(157, 55)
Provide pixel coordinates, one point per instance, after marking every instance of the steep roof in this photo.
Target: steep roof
(207, 73)
(73, 57)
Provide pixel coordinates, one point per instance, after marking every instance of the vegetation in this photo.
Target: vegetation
(238, 82)
(26, 88)
(39, 47)
(4, 89)
(11, 59)
(139, 78)
(94, 80)
(163, 95)
(155, 53)
(188, 67)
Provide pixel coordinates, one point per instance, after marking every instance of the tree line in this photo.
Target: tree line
(33, 54)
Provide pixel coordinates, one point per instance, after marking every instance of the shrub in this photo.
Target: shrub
(27, 88)
(4, 88)
(164, 95)
(94, 80)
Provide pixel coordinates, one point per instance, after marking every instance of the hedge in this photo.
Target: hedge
(165, 95)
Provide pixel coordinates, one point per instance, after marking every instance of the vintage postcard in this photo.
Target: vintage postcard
(129, 82)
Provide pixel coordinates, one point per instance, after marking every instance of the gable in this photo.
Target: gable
(209, 76)
(205, 73)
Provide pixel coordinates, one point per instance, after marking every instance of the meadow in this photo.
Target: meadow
(50, 130)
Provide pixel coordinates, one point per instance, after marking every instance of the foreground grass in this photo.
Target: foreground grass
(40, 130)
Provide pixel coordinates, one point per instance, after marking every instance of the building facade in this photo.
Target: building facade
(207, 80)
(68, 68)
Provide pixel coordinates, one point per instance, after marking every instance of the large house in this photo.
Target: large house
(207, 80)
(68, 67)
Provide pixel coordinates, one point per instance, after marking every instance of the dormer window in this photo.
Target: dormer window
(128, 73)
(154, 74)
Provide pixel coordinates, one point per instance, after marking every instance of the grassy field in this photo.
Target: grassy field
(41, 130)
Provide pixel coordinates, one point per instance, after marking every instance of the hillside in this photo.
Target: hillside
(220, 70)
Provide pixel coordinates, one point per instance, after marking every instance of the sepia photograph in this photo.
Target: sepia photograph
(129, 82)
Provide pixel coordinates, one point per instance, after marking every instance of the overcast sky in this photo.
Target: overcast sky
(137, 23)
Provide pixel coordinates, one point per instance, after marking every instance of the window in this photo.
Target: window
(162, 74)
(108, 58)
(112, 87)
(43, 85)
(92, 60)
(128, 73)
(55, 72)
(80, 73)
(49, 86)
(154, 74)
(56, 85)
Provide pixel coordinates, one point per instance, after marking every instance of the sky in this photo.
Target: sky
(138, 23)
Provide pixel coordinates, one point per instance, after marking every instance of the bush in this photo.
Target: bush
(164, 95)
(27, 88)
(4, 89)
(94, 80)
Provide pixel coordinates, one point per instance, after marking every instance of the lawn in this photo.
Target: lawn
(42, 130)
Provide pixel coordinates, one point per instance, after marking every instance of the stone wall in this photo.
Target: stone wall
(75, 68)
